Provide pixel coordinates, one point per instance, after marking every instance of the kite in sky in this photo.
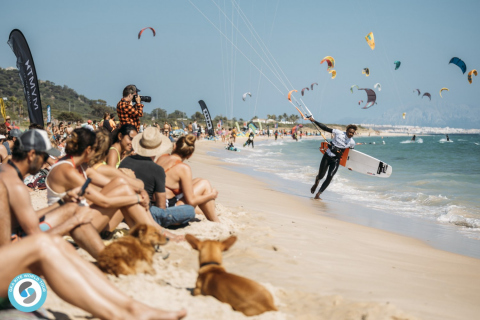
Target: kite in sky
(141, 31)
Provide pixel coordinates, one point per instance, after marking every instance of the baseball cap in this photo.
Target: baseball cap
(15, 133)
(37, 140)
(89, 121)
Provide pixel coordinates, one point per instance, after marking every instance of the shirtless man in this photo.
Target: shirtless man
(17, 215)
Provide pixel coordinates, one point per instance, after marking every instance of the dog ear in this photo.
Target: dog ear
(138, 230)
(194, 242)
(227, 243)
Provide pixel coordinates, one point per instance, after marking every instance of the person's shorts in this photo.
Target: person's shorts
(174, 216)
(19, 233)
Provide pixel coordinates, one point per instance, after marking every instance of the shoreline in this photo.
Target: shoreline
(316, 266)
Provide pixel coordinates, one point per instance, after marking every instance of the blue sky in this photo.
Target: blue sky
(92, 47)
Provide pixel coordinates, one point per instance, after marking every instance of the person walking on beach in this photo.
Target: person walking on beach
(331, 158)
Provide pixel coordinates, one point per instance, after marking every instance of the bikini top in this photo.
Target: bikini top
(118, 154)
(175, 191)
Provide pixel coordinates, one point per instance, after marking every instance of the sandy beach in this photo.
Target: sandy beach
(316, 267)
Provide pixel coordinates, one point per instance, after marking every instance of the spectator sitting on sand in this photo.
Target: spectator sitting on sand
(16, 212)
(114, 200)
(148, 145)
(122, 144)
(179, 185)
(72, 278)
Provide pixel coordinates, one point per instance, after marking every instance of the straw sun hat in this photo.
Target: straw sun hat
(151, 143)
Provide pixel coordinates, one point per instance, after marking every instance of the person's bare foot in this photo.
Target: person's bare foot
(147, 313)
(317, 196)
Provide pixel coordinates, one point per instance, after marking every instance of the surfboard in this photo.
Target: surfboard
(363, 163)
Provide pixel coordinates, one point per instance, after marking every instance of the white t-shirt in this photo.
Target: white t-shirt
(341, 141)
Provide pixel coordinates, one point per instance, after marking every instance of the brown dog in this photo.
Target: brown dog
(242, 294)
(133, 253)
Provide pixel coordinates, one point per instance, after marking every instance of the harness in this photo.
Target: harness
(338, 152)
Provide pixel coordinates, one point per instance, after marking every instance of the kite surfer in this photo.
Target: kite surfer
(250, 140)
(331, 158)
(448, 138)
(413, 138)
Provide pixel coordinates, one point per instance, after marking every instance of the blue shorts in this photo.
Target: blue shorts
(174, 216)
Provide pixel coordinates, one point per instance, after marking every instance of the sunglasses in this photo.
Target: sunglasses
(44, 155)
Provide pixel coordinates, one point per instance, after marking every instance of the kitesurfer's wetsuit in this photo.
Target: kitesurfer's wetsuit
(331, 158)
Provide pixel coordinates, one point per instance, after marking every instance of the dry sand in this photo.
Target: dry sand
(316, 267)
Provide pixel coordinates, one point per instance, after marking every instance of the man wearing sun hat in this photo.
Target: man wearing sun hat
(30, 151)
(148, 145)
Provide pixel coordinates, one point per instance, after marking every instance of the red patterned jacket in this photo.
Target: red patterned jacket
(129, 114)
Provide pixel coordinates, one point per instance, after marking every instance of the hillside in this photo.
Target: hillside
(60, 98)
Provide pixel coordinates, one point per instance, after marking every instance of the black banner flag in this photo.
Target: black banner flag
(28, 75)
(208, 119)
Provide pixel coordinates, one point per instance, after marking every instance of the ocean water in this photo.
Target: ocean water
(433, 180)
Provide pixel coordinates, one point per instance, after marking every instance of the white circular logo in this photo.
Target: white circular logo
(27, 292)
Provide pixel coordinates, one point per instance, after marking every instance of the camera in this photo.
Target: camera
(143, 98)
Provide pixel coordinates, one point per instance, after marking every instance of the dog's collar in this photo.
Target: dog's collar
(209, 263)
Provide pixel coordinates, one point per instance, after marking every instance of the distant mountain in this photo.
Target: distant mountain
(436, 114)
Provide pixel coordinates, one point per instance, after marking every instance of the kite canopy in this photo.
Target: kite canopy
(428, 95)
(290, 95)
(404, 115)
(470, 75)
(372, 97)
(303, 90)
(366, 71)
(397, 64)
(443, 89)
(351, 88)
(378, 87)
(330, 61)
(311, 86)
(370, 40)
(334, 73)
(459, 62)
(245, 95)
(417, 91)
(141, 31)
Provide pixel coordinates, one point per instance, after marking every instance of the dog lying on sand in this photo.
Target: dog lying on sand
(133, 253)
(242, 294)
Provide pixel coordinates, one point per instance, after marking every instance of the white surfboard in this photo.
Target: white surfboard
(360, 162)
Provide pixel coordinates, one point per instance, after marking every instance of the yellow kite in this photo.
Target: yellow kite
(404, 115)
(370, 40)
(470, 75)
(334, 73)
(330, 61)
(2, 109)
(443, 90)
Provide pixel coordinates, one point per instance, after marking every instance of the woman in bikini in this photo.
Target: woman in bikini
(122, 144)
(113, 199)
(180, 187)
(97, 161)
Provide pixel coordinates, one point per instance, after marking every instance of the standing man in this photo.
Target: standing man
(194, 128)
(130, 109)
(331, 158)
(8, 124)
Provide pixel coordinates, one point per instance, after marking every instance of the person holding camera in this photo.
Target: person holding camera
(130, 108)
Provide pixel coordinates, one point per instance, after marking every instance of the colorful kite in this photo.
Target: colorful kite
(330, 61)
(141, 31)
(351, 88)
(372, 97)
(443, 89)
(370, 40)
(366, 71)
(334, 73)
(289, 97)
(474, 72)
